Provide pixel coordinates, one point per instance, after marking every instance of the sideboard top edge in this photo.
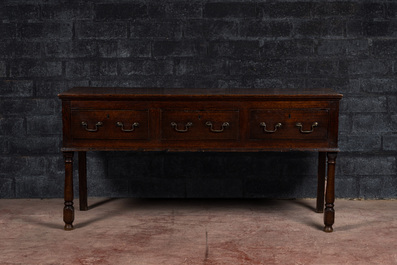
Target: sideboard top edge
(84, 93)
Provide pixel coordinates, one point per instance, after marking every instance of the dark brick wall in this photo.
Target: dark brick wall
(49, 46)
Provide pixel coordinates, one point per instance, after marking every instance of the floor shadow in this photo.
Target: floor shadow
(105, 201)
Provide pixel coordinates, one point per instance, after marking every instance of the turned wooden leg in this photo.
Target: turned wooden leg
(68, 210)
(329, 212)
(83, 181)
(321, 181)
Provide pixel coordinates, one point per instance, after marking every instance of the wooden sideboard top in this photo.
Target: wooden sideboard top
(83, 93)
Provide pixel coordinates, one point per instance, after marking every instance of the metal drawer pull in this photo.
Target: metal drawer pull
(91, 130)
(120, 124)
(187, 125)
(224, 125)
(298, 124)
(263, 124)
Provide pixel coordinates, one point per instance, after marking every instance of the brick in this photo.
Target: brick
(371, 10)
(346, 187)
(51, 88)
(146, 67)
(133, 48)
(182, 9)
(370, 67)
(178, 48)
(268, 68)
(240, 49)
(7, 189)
(21, 11)
(392, 104)
(48, 30)
(16, 88)
(287, 48)
(318, 27)
(14, 166)
(44, 125)
(384, 48)
(120, 11)
(371, 123)
(265, 29)
(364, 104)
(13, 127)
(340, 85)
(108, 188)
(27, 107)
(101, 30)
(155, 29)
(367, 166)
(230, 9)
(354, 28)
(71, 49)
(378, 85)
(34, 68)
(108, 68)
(389, 142)
(343, 47)
(24, 49)
(381, 187)
(214, 188)
(8, 31)
(36, 145)
(211, 29)
(391, 10)
(67, 10)
(324, 68)
(80, 69)
(345, 123)
(38, 187)
(128, 81)
(379, 28)
(361, 143)
(286, 9)
(3, 69)
(336, 9)
(200, 67)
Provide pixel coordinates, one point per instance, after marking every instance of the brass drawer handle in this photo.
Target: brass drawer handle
(263, 124)
(187, 125)
(120, 124)
(298, 124)
(224, 125)
(85, 125)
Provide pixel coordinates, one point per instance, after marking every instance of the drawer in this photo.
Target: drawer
(199, 125)
(110, 124)
(299, 124)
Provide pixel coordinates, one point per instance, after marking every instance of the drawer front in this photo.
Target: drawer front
(110, 124)
(199, 125)
(296, 124)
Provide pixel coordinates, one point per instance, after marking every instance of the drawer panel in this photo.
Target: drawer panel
(110, 124)
(298, 124)
(199, 125)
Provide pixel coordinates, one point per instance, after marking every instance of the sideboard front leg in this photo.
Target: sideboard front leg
(329, 213)
(321, 181)
(68, 210)
(83, 181)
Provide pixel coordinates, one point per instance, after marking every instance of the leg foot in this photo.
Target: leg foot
(329, 212)
(68, 210)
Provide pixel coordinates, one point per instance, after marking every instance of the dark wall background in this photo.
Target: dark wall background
(49, 46)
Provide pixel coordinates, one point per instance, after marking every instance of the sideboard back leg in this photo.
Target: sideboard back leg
(83, 181)
(68, 210)
(321, 181)
(329, 213)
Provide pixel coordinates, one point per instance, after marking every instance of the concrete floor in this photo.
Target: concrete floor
(132, 231)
